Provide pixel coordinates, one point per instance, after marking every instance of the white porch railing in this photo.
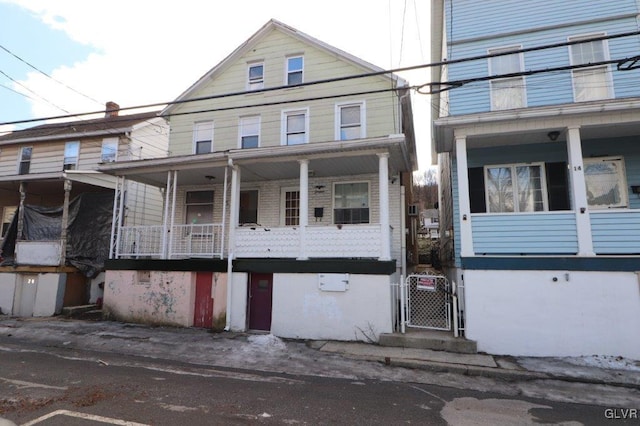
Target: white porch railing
(200, 240)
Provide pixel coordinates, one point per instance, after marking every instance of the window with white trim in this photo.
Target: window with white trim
(350, 121)
(250, 132)
(109, 150)
(24, 160)
(71, 153)
(290, 207)
(606, 182)
(507, 93)
(294, 127)
(295, 68)
(350, 203)
(515, 188)
(255, 76)
(590, 83)
(203, 137)
(198, 207)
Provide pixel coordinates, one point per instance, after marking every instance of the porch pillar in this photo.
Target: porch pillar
(23, 195)
(579, 205)
(234, 208)
(165, 221)
(466, 236)
(385, 237)
(174, 185)
(304, 208)
(115, 228)
(65, 222)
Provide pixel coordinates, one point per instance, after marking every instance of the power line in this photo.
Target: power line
(31, 91)
(376, 73)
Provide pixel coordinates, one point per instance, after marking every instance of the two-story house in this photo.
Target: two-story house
(536, 135)
(58, 208)
(284, 197)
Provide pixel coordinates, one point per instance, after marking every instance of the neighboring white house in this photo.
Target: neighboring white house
(284, 209)
(57, 207)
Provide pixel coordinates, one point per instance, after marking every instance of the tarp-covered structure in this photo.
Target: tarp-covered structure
(88, 231)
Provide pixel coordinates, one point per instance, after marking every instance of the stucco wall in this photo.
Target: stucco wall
(7, 292)
(167, 298)
(528, 313)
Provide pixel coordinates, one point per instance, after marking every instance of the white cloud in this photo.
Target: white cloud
(147, 52)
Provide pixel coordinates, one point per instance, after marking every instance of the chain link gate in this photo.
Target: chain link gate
(429, 302)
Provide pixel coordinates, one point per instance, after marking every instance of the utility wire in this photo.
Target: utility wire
(632, 59)
(32, 92)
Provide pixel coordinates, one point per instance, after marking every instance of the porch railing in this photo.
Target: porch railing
(615, 231)
(196, 240)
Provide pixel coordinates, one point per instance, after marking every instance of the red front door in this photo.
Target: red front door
(203, 314)
(260, 295)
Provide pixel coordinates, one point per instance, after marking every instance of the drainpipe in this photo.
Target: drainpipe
(224, 212)
(233, 215)
(403, 235)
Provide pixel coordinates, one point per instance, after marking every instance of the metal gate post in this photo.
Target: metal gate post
(403, 300)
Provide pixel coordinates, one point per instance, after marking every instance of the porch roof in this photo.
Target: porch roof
(596, 119)
(333, 158)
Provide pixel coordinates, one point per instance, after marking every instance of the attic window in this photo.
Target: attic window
(256, 77)
(295, 66)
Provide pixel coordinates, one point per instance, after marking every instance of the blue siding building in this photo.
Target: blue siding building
(538, 146)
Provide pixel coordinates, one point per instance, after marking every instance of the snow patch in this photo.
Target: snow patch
(267, 341)
(605, 361)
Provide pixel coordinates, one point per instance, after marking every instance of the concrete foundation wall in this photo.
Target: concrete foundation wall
(48, 296)
(153, 298)
(553, 313)
(7, 292)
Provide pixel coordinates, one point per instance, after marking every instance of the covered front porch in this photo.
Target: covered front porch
(546, 182)
(321, 200)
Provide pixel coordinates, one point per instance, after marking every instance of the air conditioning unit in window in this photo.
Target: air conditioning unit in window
(413, 209)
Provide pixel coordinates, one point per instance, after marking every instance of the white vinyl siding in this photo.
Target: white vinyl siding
(350, 121)
(507, 93)
(606, 183)
(295, 70)
(515, 188)
(592, 83)
(250, 132)
(203, 137)
(295, 125)
(255, 76)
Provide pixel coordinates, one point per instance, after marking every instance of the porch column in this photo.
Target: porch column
(304, 208)
(579, 205)
(23, 195)
(385, 236)
(234, 208)
(65, 222)
(466, 236)
(115, 230)
(165, 221)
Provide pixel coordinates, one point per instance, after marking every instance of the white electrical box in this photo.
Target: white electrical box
(333, 282)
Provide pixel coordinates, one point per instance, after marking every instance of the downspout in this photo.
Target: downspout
(224, 212)
(231, 242)
(403, 227)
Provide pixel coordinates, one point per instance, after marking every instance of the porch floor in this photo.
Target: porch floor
(437, 340)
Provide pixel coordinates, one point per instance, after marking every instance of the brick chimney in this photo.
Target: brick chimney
(112, 109)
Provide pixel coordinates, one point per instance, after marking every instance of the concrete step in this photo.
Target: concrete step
(75, 311)
(429, 339)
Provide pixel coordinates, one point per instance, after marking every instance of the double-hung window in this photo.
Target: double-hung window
(295, 124)
(24, 161)
(199, 207)
(515, 188)
(350, 121)
(250, 132)
(109, 150)
(508, 92)
(590, 83)
(606, 182)
(295, 68)
(71, 152)
(351, 203)
(256, 76)
(203, 137)
(290, 206)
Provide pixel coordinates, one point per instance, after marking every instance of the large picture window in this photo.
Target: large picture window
(515, 188)
(507, 93)
(590, 83)
(351, 203)
(606, 183)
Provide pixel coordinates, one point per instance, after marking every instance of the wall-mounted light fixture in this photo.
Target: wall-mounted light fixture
(553, 136)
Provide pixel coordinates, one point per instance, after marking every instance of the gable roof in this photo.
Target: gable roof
(266, 29)
(77, 129)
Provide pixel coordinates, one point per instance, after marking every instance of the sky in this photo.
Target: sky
(143, 51)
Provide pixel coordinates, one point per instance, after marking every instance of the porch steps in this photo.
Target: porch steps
(82, 312)
(429, 339)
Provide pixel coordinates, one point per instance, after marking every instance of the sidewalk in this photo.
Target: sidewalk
(331, 358)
